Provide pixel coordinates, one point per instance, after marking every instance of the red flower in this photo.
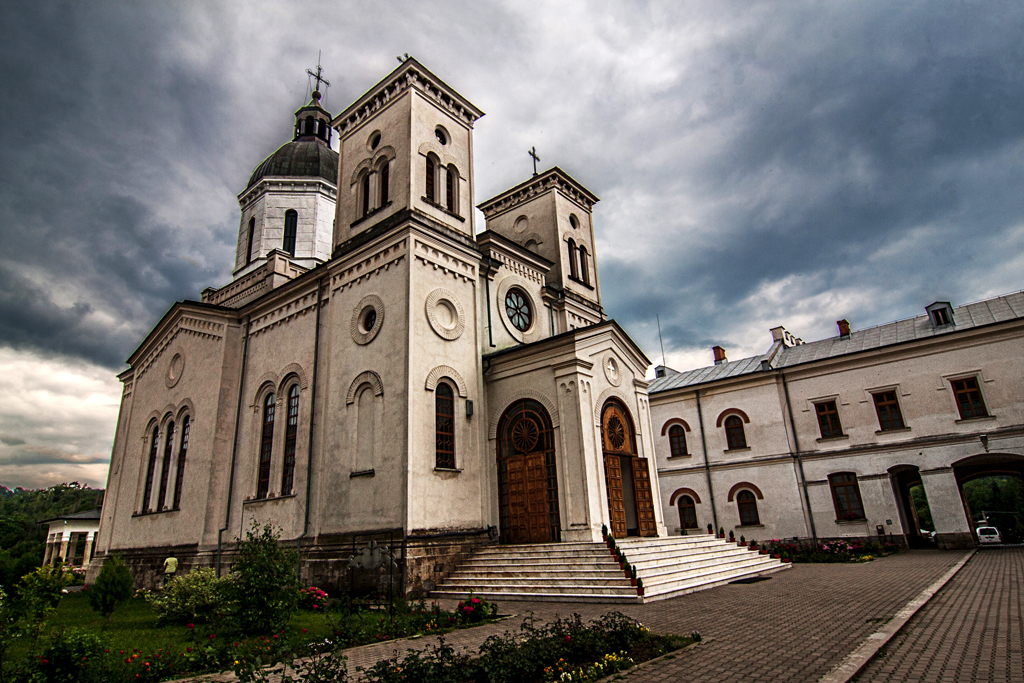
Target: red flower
(190, 626)
(188, 649)
(304, 630)
(568, 638)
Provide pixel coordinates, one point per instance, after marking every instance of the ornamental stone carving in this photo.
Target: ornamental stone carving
(445, 314)
(367, 318)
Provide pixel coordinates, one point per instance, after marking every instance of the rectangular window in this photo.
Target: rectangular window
(968, 398)
(846, 496)
(888, 409)
(828, 420)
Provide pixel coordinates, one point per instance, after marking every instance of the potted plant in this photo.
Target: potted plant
(632, 575)
(721, 532)
(604, 532)
(640, 587)
(732, 536)
(743, 541)
(711, 529)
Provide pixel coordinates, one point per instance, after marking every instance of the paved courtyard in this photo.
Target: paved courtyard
(795, 626)
(971, 630)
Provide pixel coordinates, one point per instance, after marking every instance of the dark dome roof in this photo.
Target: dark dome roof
(299, 159)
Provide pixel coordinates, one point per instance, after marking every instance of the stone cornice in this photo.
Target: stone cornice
(410, 75)
(552, 179)
(287, 184)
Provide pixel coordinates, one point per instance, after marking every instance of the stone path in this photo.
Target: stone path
(795, 626)
(972, 630)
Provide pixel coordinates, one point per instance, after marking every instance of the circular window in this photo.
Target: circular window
(518, 310)
(441, 136)
(374, 140)
(616, 432)
(367, 318)
(574, 222)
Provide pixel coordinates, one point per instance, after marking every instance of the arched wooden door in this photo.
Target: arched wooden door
(630, 502)
(527, 476)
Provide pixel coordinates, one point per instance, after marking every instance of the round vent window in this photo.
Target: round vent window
(374, 141)
(441, 136)
(517, 307)
(369, 319)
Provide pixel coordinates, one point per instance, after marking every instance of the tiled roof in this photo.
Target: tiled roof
(997, 310)
(87, 514)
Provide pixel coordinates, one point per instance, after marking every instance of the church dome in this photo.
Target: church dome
(309, 154)
(299, 159)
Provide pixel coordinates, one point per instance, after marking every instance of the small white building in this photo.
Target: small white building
(71, 538)
(824, 439)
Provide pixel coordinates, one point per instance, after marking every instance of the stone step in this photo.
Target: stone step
(559, 573)
(506, 596)
(687, 562)
(501, 565)
(666, 591)
(540, 588)
(652, 578)
(490, 579)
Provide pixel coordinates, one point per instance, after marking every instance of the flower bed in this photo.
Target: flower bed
(830, 551)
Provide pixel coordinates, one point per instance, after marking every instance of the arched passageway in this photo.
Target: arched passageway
(971, 470)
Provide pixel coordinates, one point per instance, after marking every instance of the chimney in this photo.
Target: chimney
(719, 355)
(844, 328)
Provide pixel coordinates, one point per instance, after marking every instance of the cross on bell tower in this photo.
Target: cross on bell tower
(533, 153)
(318, 75)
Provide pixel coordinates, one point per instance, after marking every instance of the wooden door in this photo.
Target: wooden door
(644, 497)
(518, 529)
(527, 499)
(616, 507)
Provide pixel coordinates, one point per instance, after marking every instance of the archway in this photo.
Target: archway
(974, 471)
(904, 478)
(527, 475)
(630, 502)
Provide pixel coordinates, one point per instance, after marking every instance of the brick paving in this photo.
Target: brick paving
(972, 630)
(795, 626)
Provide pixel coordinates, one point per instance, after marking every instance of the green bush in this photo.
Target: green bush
(264, 583)
(197, 597)
(70, 656)
(113, 586)
(39, 592)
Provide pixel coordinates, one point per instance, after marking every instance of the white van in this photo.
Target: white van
(989, 534)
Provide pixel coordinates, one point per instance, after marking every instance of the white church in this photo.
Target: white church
(380, 370)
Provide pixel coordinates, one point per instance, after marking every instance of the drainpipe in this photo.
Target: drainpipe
(799, 460)
(487, 293)
(707, 466)
(234, 443)
(312, 415)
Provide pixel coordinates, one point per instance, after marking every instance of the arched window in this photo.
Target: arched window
(584, 270)
(266, 444)
(687, 513)
(309, 125)
(179, 477)
(154, 446)
(846, 496)
(527, 475)
(444, 410)
(573, 272)
(385, 182)
(747, 503)
(364, 193)
(165, 471)
(431, 180)
(734, 436)
(451, 189)
(248, 248)
(291, 227)
(291, 431)
(677, 441)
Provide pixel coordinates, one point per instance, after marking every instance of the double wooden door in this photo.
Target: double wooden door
(528, 513)
(527, 479)
(630, 500)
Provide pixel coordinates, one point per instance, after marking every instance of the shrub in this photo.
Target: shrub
(70, 656)
(264, 583)
(113, 586)
(312, 598)
(39, 592)
(475, 610)
(197, 597)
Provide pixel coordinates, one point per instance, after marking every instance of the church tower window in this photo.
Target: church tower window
(518, 310)
(266, 444)
(248, 248)
(290, 434)
(179, 478)
(291, 226)
(573, 272)
(364, 193)
(445, 426)
(431, 190)
(154, 446)
(452, 189)
(165, 471)
(385, 181)
(584, 270)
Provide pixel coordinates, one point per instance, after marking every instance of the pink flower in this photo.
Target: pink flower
(568, 638)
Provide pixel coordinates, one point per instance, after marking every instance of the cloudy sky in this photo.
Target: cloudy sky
(758, 163)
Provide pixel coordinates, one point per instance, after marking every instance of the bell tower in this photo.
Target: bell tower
(406, 144)
(550, 214)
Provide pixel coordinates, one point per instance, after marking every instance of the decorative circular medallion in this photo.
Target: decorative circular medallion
(174, 369)
(517, 308)
(367, 317)
(444, 312)
(611, 370)
(525, 435)
(616, 432)
(521, 224)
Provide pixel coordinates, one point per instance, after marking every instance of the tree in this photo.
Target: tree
(112, 587)
(264, 583)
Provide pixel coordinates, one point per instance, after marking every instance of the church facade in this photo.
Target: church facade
(378, 370)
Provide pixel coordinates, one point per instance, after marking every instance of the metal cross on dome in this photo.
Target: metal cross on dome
(318, 75)
(533, 153)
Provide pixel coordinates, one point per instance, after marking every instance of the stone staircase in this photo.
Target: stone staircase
(587, 572)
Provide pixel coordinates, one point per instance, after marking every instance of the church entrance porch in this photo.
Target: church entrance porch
(627, 476)
(527, 475)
